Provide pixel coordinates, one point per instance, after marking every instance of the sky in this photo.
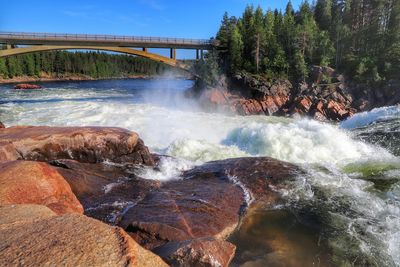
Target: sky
(164, 18)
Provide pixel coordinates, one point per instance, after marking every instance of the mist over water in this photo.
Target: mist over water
(352, 182)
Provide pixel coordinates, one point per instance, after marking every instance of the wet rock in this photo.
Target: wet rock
(261, 177)
(34, 236)
(26, 86)
(25, 182)
(105, 190)
(197, 252)
(204, 205)
(84, 144)
(207, 202)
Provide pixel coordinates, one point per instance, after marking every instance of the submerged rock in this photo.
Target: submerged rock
(27, 86)
(26, 182)
(33, 235)
(84, 144)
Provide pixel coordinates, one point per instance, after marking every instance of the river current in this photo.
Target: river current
(345, 211)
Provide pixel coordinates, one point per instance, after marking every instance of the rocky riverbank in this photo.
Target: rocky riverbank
(74, 77)
(49, 176)
(325, 96)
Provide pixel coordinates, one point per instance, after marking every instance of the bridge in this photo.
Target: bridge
(22, 43)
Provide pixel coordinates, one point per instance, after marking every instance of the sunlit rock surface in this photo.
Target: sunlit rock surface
(84, 144)
(27, 182)
(33, 235)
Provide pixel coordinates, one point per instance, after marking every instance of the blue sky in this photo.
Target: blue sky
(166, 18)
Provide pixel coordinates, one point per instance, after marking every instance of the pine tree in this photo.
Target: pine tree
(323, 14)
(258, 38)
(236, 50)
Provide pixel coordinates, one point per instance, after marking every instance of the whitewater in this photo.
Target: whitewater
(352, 181)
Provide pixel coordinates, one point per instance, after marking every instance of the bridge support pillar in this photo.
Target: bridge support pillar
(201, 54)
(145, 49)
(8, 46)
(173, 53)
(197, 54)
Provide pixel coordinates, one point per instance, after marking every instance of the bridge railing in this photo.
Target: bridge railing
(103, 37)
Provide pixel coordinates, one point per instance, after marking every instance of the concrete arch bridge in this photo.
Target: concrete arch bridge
(132, 45)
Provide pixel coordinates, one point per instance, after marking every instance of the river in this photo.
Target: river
(345, 211)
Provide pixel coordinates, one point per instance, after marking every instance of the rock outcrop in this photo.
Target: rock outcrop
(367, 98)
(34, 236)
(2, 125)
(207, 203)
(26, 86)
(323, 97)
(84, 144)
(26, 182)
(186, 220)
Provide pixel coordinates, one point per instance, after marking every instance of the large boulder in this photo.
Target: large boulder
(26, 182)
(2, 125)
(205, 205)
(33, 235)
(84, 144)
(183, 219)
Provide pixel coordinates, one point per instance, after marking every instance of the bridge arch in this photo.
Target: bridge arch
(124, 50)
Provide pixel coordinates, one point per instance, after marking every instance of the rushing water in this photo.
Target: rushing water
(344, 212)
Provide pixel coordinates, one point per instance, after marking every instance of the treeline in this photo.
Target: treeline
(93, 64)
(358, 37)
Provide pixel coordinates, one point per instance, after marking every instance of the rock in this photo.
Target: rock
(205, 204)
(26, 86)
(23, 213)
(69, 240)
(302, 105)
(197, 252)
(105, 190)
(337, 111)
(2, 125)
(25, 182)
(84, 144)
(320, 74)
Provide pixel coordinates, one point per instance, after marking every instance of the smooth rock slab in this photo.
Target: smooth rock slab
(69, 240)
(84, 144)
(207, 202)
(27, 182)
(204, 206)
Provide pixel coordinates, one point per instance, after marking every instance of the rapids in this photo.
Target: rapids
(350, 197)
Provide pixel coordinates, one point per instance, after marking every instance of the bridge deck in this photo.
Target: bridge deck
(19, 38)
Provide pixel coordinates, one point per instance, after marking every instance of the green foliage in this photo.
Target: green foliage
(93, 64)
(360, 38)
(3, 68)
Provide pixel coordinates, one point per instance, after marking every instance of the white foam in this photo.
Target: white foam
(378, 218)
(365, 118)
(300, 141)
(168, 169)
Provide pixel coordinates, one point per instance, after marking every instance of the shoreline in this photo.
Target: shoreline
(29, 79)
